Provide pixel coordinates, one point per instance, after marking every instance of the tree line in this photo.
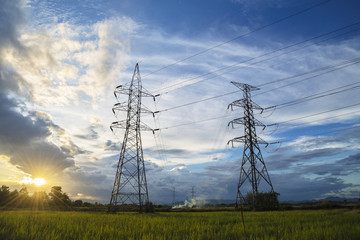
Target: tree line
(55, 199)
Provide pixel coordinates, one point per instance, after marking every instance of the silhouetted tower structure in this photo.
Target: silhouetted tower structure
(253, 167)
(173, 196)
(192, 192)
(130, 186)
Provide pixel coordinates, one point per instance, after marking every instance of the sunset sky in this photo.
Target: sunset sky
(60, 61)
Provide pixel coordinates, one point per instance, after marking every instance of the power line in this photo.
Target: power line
(291, 120)
(204, 120)
(202, 100)
(312, 71)
(327, 132)
(318, 120)
(316, 114)
(302, 80)
(265, 54)
(320, 95)
(352, 61)
(341, 129)
(240, 36)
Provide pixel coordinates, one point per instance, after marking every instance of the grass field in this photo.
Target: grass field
(315, 224)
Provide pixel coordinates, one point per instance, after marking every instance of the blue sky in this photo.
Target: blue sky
(61, 60)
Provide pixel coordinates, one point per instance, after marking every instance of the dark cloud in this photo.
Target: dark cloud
(23, 137)
(80, 175)
(152, 167)
(11, 18)
(351, 161)
(72, 149)
(169, 152)
(342, 167)
(284, 159)
(112, 146)
(40, 158)
(351, 135)
(91, 133)
(15, 128)
(293, 186)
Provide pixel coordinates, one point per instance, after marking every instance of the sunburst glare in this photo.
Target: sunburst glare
(36, 181)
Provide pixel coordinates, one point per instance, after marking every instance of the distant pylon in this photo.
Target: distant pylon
(192, 192)
(253, 167)
(130, 186)
(173, 196)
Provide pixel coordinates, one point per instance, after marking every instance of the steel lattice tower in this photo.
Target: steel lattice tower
(253, 167)
(130, 186)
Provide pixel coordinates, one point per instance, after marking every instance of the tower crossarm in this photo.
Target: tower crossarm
(236, 103)
(122, 89)
(243, 139)
(147, 94)
(242, 121)
(244, 86)
(243, 103)
(123, 125)
(123, 106)
(126, 90)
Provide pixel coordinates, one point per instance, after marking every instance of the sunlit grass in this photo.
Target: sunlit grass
(320, 224)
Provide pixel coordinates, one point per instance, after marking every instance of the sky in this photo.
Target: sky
(61, 61)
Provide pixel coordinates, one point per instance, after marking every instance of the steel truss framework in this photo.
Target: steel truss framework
(253, 167)
(130, 186)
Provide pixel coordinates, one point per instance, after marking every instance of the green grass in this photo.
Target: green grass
(316, 224)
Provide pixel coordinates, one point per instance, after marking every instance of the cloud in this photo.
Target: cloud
(296, 187)
(12, 17)
(17, 129)
(349, 165)
(60, 62)
(29, 139)
(41, 158)
(91, 132)
(284, 159)
(169, 153)
(83, 177)
(112, 146)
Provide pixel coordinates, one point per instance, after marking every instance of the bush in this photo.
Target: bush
(263, 201)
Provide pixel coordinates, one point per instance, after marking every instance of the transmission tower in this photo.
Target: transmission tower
(253, 167)
(130, 186)
(173, 197)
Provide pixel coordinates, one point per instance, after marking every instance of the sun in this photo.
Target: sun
(36, 181)
(39, 181)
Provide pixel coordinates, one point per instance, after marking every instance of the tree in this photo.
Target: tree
(13, 198)
(4, 195)
(40, 200)
(78, 203)
(58, 198)
(23, 199)
(149, 207)
(263, 201)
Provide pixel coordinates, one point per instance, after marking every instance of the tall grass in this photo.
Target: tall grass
(320, 224)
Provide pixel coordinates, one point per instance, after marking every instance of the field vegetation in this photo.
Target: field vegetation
(304, 224)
